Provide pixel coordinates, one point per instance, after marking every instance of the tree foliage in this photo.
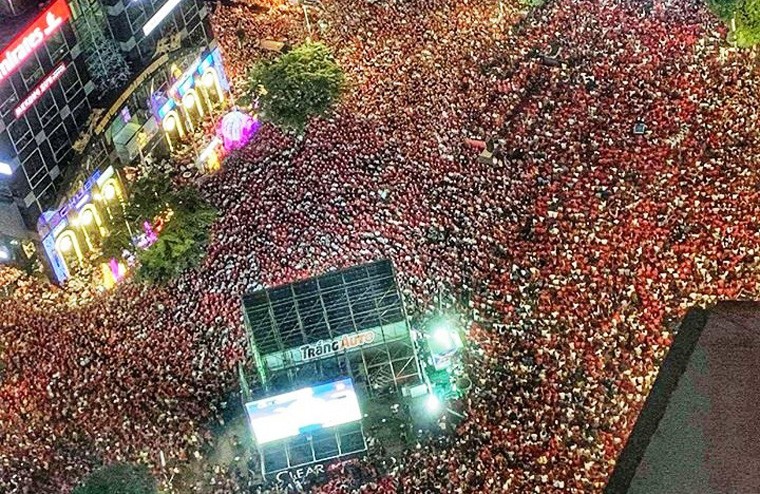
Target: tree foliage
(302, 83)
(723, 8)
(183, 240)
(185, 232)
(149, 195)
(119, 478)
(118, 239)
(748, 23)
(743, 16)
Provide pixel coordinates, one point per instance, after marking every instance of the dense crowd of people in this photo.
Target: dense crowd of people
(574, 252)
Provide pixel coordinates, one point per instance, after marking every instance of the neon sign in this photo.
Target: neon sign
(159, 16)
(42, 28)
(41, 89)
(166, 108)
(187, 81)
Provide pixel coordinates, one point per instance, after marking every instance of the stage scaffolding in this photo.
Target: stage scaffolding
(282, 321)
(356, 318)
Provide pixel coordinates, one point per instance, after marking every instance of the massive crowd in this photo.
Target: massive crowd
(575, 252)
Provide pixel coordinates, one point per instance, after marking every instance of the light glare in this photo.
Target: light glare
(433, 404)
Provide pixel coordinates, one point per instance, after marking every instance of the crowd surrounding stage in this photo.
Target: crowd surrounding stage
(575, 252)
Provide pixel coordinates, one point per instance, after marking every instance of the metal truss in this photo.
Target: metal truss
(346, 302)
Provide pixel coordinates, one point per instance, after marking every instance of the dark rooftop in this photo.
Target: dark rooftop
(698, 432)
(336, 303)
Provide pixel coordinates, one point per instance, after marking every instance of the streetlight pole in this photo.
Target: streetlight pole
(306, 16)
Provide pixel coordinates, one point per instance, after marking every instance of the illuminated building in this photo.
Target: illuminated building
(45, 99)
(49, 91)
(78, 226)
(139, 26)
(163, 40)
(190, 94)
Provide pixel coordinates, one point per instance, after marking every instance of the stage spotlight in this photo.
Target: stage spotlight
(433, 404)
(442, 335)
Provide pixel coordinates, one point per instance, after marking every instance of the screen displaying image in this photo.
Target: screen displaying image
(303, 411)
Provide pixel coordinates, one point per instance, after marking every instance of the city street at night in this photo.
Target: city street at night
(486, 219)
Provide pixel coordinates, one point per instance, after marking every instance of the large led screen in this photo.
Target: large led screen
(303, 411)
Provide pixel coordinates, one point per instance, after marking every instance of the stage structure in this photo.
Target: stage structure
(347, 324)
(343, 323)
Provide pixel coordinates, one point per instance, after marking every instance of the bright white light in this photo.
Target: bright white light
(65, 244)
(169, 123)
(443, 336)
(5, 255)
(209, 79)
(109, 192)
(159, 16)
(433, 404)
(188, 100)
(86, 217)
(5, 169)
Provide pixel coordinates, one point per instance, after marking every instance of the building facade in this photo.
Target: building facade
(45, 99)
(64, 119)
(139, 26)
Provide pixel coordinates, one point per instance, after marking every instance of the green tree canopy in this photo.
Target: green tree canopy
(118, 239)
(304, 82)
(147, 197)
(748, 22)
(185, 234)
(723, 8)
(182, 242)
(743, 16)
(119, 478)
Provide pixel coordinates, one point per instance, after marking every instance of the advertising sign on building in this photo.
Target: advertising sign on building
(325, 348)
(330, 347)
(39, 90)
(40, 30)
(287, 477)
